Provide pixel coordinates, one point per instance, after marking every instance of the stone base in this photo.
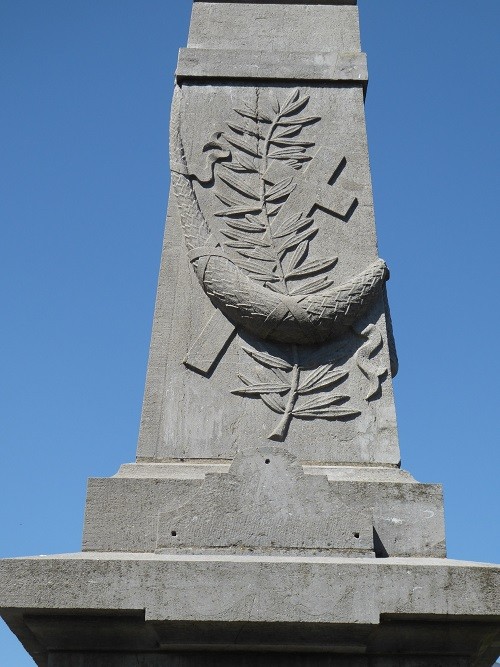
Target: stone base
(268, 502)
(145, 610)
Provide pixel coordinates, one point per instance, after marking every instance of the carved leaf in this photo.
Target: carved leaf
(298, 164)
(247, 162)
(281, 189)
(298, 120)
(239, 185)
(275, 104)
(295, 240)
(246, 226)
(258, 253)
(292, 142)
(243, 145)
(312, 267)
(281, 375)
(273, 209)
(294, 95)
(321, 378)
(268, 360)
(278, 288)
(261, 278)
(254, 115)
(245, 130)
(254, 266)
(285, 153)
(262, 388)
(288, 132)
(274, 402)
(229, 201)
(237, 235)
(322, 401)
(255, 220)
(291, 225)
(327, 413)
(294, 103)
(234, 166)
(239, 210)
(312, 286)
(298, 255)
(239, 244)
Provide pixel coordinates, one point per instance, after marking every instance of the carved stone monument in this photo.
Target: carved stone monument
(266, 520)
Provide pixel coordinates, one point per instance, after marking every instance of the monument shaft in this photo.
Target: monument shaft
(268, 128)
(266, 521)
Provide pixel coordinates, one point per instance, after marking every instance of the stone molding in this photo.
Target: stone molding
(296, 66)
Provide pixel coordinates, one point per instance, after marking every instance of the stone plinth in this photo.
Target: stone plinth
(329, 509)
(72, 610)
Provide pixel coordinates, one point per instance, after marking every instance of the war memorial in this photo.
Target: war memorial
(266, 520)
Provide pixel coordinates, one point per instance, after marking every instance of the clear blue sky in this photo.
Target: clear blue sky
(86, 89)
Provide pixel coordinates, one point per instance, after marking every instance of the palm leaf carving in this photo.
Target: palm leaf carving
(253, 202)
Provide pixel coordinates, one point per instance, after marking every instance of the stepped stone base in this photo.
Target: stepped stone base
(265, 501)
(145, 610)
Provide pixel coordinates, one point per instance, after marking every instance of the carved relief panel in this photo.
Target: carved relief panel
(272, 198)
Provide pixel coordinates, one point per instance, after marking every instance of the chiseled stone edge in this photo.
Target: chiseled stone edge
(248, 590)
(121, 514)
(289, 589)
(233, 64)
(196, 469)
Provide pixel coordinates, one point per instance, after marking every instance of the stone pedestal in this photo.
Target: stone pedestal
(266, 521)
(93, 609)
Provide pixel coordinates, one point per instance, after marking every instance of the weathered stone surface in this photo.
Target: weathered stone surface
(297, 66)
(266, 502)
(291, 589)
(191, 415)
(422, 606)
(403, 517)
(274, 27)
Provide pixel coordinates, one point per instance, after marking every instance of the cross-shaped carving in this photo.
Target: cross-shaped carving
(316, 187)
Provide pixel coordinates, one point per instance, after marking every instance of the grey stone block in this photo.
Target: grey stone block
(274, 27)
(403, 517)
(231, 64)
(420, 608)
(266, 502)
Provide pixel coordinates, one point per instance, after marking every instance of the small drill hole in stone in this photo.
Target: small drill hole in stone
(174, 533)
(356, 535)
(268, 461)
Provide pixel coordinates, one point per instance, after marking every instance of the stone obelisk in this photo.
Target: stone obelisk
(266, 520)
